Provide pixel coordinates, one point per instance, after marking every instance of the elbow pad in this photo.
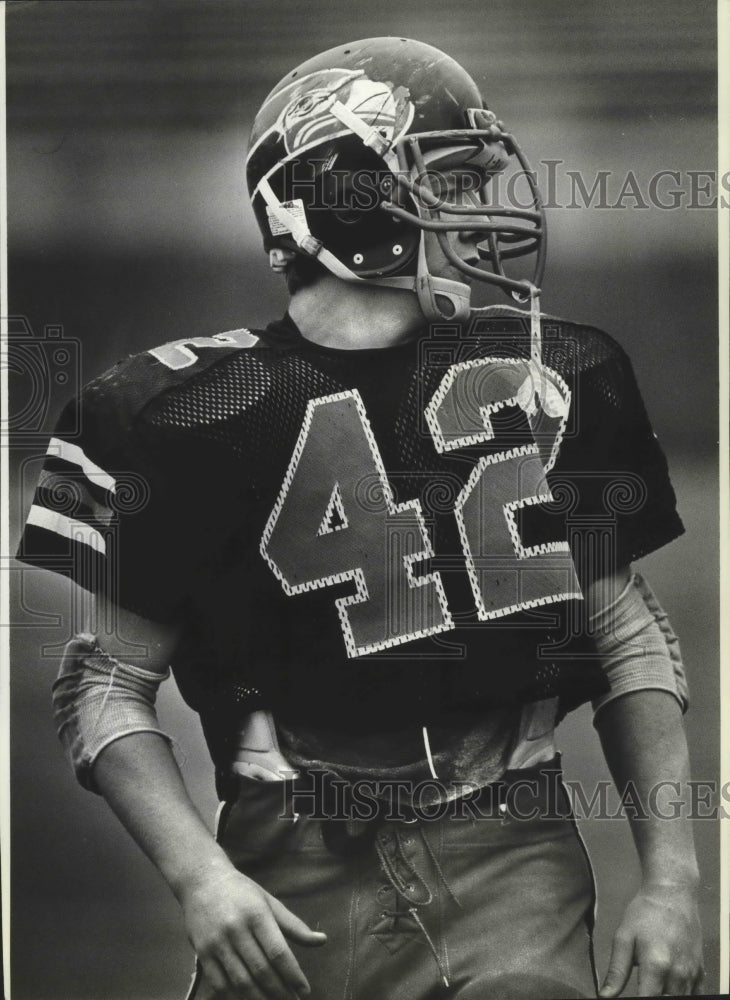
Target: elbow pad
(98, 699)
(639, 650)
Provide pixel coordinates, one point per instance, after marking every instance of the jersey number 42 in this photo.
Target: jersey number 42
(336, 519)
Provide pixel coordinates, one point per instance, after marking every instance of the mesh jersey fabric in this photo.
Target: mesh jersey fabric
(165, 498)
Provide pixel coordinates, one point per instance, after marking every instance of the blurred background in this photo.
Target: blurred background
(128, 227)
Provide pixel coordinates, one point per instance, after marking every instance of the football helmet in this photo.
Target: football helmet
(360, 151)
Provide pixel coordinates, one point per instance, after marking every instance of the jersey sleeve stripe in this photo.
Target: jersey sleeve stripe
(61, 470)
(71, 496)
(66, 527)
(74, 455)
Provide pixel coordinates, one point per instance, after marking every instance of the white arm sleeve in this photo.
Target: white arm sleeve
(638, 647)
(98, 699)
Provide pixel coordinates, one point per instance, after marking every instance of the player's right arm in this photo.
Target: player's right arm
(239, 932)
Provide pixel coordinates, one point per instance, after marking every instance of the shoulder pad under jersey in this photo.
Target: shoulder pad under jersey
(119, 395)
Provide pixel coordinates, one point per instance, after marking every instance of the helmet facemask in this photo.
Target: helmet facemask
(427, 159)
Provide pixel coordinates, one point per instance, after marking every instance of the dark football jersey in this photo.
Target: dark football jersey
(364, 538)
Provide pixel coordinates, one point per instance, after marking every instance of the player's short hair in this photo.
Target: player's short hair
(301, 272)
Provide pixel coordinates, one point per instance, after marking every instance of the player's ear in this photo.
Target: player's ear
(279, 259)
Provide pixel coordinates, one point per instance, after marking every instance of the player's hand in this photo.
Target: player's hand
(660, 933)
(239, 933)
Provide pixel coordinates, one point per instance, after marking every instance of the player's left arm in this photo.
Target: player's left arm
(644, 744)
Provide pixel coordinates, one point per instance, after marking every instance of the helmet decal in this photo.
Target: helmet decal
(307, 118)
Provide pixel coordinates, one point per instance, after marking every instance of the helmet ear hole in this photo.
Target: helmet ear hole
(370, 243)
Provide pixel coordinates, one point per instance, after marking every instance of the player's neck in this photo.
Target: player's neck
(334, 313)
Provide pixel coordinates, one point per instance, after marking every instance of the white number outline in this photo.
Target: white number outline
(509, 509)
(178, 354)
(357, 575)
(521, 398)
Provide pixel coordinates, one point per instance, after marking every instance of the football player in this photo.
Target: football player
(385, 544)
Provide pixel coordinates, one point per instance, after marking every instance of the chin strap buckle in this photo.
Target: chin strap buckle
(310, 244)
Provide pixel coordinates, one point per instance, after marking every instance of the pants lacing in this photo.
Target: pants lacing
(405, 888)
